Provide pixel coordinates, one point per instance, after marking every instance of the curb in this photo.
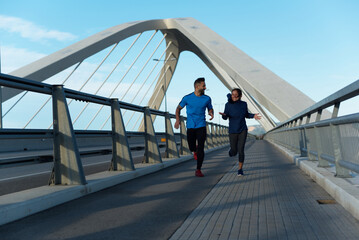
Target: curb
(21, 204)
(344, 192)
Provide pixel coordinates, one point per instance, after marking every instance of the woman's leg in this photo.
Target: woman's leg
(233, 140)
(242, 137)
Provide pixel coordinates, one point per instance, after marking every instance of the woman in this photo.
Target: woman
(237, 110)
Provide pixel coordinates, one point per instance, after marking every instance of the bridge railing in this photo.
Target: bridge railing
(333, 141)
(68, 169)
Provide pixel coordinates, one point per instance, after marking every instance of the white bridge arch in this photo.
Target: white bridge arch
(234, 68)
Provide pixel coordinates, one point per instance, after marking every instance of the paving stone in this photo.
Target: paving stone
(274, 200)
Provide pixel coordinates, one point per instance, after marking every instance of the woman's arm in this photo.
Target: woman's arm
(225, 114)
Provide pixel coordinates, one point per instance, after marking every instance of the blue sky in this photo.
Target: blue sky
(312, 44)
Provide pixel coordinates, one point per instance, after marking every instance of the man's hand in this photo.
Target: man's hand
(210, 113)
(223, 114)
(178, 112)
(177, 124)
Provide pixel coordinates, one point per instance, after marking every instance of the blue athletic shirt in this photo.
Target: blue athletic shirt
(196, 109)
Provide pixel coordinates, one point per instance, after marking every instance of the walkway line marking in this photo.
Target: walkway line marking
(34, 174)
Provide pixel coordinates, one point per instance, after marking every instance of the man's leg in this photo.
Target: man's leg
(191, 139)
(201, 135)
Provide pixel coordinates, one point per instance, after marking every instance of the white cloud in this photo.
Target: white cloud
(32, 31)
(13, 58)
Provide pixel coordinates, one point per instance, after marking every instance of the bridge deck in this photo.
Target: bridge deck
(274, 200)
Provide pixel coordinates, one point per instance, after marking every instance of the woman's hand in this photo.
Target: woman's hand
(257, 116)
(223, 114)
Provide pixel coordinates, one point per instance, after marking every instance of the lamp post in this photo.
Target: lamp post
(165, 73)
(219, 116)
(165, 93)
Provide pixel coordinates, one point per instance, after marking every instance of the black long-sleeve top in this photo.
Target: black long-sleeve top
(236, 112)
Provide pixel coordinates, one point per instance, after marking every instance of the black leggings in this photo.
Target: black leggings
(196, 138)
(238, 141)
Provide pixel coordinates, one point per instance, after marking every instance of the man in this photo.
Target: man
(196, 103)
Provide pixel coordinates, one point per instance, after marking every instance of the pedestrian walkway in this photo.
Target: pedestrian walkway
(274, 200)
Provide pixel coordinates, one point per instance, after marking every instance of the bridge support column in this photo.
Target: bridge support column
(340, 171)
(184, 144)
(152, 151)
(171, 146)
(67, 169)
(121, 153)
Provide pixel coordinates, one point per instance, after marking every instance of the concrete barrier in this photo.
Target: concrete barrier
(345, 192)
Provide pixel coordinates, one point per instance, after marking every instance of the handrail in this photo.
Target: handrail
(352, 118)
(343, 94)
(68, 167)
(329, 141)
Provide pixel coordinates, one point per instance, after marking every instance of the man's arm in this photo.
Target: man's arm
(210, 113)
(178, 112)
(210, 109)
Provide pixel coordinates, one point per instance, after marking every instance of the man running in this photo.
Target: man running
(196, 103)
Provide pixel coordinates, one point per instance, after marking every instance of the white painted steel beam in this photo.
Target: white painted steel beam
(187, 34)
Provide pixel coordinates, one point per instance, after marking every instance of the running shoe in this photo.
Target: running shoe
(199, 173)
(240, 172)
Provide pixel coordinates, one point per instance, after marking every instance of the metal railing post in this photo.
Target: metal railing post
(219, 135)
(309, 144)
(209, 139)
(336, 110)
(214, 136)
(308, 119)
(321, 161)
(319, 115)
(1, 124)
(340, 171)
(227, 135)
(303, 144)
(152, 151)
(222, 135)
(121, 153)
(171, 146)
(184, 144)
(300, 121)
(67, 169)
